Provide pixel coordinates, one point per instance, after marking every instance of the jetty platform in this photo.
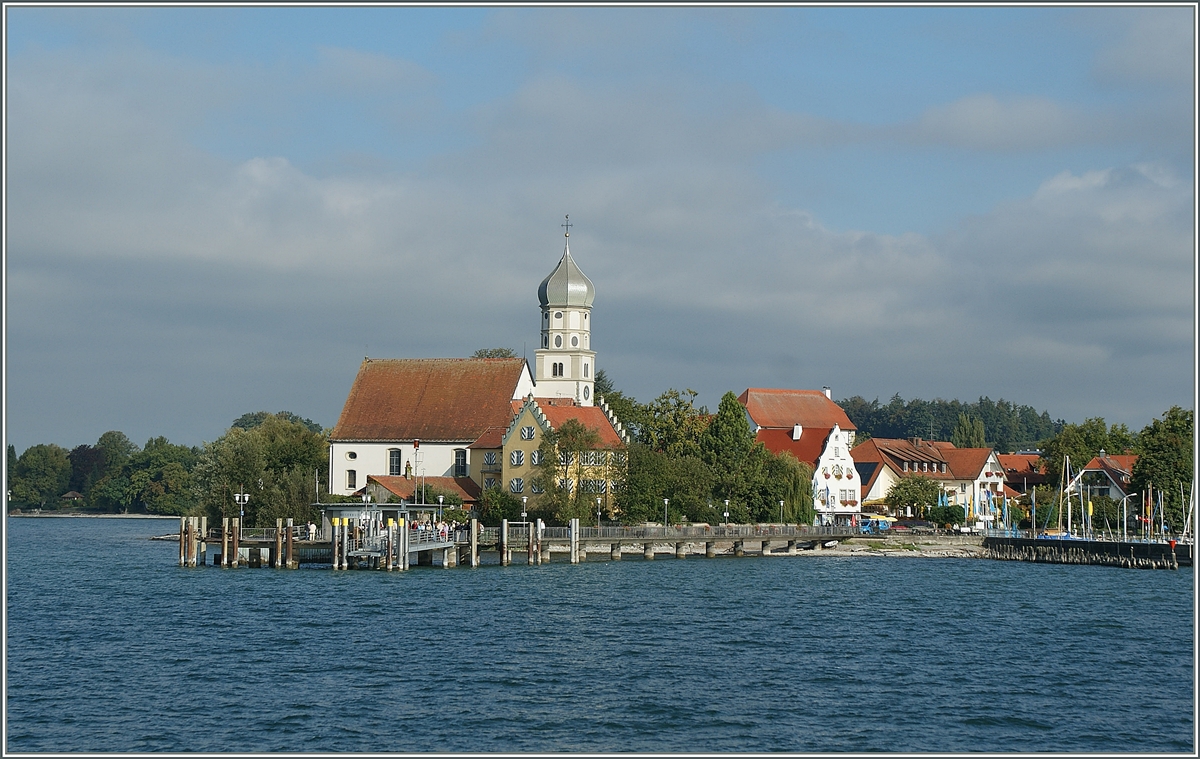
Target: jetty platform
(393, 545)
(1128, 554)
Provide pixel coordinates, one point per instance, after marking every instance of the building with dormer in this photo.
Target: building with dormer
(814, 429)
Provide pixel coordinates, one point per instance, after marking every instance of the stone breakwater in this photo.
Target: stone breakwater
(1104, 553)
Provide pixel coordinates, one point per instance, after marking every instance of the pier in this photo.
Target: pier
(392, 544)
(1131, 555)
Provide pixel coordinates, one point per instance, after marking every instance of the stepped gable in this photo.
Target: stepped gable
(558, 410)
(783, 409)
(434, 399)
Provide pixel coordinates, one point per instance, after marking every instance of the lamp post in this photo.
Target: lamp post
(597, 512)
(665, 502)
(781, 512)
(726, 512)
(524, 501)
(440, 497)
(242, 499)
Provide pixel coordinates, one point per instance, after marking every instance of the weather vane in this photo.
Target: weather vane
(567, 225)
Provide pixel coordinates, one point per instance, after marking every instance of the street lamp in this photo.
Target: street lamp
(726, 512)
(242, 499)
(665, 502)
(524, 500)
(440, 497)
(597, 512)
(781, 512)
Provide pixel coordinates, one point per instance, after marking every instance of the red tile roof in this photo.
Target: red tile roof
(465, 487)
(966, 463)
(492, 438)
(787, 408)
(436, 399)
(1119, 463)
(1017, 464)
(592, 417)
(807, 449)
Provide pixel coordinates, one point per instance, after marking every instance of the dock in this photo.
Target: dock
(1128, 554)
(393, 544)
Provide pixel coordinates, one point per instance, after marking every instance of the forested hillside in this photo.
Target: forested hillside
(1007, 426)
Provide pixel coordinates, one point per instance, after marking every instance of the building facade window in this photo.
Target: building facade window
(535, 458)
(558, 341)
(516, 458)
(565, 458)
(351, 455)
(906, 466)
(489, 458)
(394, 462)
(351, 479)
(527, 433)
(567, 485)
(534, 487)
(516, 485)
(585, 371)
(489, 482)
(574, 341)
(587, 392)
(460, 462)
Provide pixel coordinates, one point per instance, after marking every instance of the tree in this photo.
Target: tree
(562, 471)
(253, 419)
(494, 353)
(160, 478)
(1083, 442)
(968, 433)
(922, 493)
(496, 504)
(726, 446)
(1164, 449)
(109, 492)
(628, 411)
(279, 462)
(672, 423)
(41, 475)
(653, 475)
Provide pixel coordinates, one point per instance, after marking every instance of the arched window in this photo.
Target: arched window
(516, 485)
(516, 458)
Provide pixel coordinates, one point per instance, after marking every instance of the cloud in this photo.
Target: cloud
(1156, 47)
(984, 122)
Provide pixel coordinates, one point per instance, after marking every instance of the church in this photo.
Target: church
(452, 423)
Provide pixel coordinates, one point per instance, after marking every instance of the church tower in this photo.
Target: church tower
(565, 365)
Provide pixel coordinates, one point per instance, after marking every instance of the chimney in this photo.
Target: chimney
(828, 392)
(1102, 456)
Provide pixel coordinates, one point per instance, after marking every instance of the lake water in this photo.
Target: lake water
(113, 647)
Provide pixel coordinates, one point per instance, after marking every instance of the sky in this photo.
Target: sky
(217, 210)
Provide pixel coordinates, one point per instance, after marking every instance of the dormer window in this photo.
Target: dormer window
(906, 466)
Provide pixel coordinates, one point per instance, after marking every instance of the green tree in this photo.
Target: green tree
(160, 478)
(561, 463)
(1083, 442)
(1164, 449)
(922, 493)
(280, 463)
(42, 474)
(253, 419)
(494, 353)
(629, 412)
(87, 467)
(685, 481)
(672, 423)
(968, 433)
(496, 504)
(726, 446)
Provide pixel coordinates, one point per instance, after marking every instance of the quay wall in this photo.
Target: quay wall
(1106, 553)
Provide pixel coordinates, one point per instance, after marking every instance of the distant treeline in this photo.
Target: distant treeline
(1007, 426)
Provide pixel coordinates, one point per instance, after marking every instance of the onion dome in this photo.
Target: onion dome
(566, 285)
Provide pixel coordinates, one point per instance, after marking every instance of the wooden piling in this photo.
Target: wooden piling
(710, 549)
(278, 562)
(183, 541)
(203, 540)
(474, 543)
(224, 541)
(195, 542)
(236, 533)
(738, 548)
(504, 557)
(573, 534)
(679, 550)
(402, 529)
(529, 548)
(333, 543)
(614, 552)
(648, 551)
(291, 554)
(345, 543)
